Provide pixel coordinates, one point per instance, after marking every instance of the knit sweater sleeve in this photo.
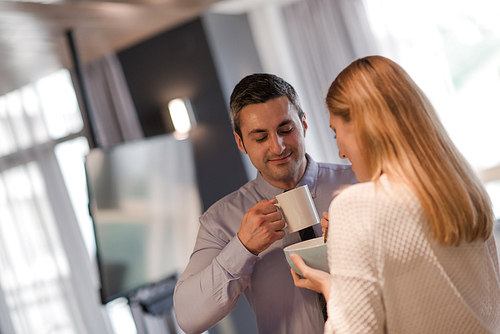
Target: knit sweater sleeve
(355, 303)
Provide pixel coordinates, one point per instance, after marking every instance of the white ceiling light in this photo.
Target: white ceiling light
(182, 117)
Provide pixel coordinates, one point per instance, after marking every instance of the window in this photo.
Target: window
(34, 270)
(452, 50)
(36, 278)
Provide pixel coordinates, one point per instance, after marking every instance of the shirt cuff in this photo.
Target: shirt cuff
(238, 260)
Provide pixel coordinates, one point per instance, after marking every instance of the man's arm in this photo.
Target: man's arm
(218, 273)
(213, 281)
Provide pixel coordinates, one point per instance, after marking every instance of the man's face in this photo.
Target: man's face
(273, 138)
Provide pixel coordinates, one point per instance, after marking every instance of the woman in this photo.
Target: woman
(410, 248)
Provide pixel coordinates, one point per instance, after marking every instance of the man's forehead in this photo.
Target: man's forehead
(268, 115)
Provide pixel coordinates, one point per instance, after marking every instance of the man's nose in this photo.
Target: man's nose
(277, 145)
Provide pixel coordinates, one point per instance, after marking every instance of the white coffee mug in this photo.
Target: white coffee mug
(298, 209)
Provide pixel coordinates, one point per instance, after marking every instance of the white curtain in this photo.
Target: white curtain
(45, 272)
(113, 113)
(326, 36)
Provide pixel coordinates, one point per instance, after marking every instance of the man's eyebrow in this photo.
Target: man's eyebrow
(258, 131)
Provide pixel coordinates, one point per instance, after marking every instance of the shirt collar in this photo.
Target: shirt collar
(309, 178)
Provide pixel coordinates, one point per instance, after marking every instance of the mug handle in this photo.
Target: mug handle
(277, 205)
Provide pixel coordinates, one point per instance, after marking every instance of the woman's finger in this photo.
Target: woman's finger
(324, 220)
(297, 260)
(299, 281)
(296, 277)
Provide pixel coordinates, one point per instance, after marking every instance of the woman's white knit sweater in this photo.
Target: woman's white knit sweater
(390, 276)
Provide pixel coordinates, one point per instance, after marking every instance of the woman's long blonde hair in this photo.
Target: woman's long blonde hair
(399, 134)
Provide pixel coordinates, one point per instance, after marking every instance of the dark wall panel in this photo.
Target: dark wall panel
(178, 63)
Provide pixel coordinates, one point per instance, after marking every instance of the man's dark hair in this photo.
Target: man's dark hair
(260, 88)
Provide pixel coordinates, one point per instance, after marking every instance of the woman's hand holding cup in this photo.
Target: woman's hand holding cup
(314, 279)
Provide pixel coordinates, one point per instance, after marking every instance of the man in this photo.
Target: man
(239, 248)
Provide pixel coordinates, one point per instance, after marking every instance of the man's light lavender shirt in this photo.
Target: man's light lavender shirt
(221, 268)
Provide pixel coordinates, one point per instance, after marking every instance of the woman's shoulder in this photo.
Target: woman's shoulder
(381, 194)
(363, 192)
(353, 200)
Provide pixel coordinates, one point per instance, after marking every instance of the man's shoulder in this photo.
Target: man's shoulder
(233, 202)
(334, 167)
(340, 173)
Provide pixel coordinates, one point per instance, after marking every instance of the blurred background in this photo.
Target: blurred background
(101, 187)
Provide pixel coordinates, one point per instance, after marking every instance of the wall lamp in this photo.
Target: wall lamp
(182, 116)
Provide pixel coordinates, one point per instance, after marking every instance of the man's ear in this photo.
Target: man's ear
(239, 141)
(304, 123)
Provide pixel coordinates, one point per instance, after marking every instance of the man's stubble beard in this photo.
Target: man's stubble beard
(285, 171)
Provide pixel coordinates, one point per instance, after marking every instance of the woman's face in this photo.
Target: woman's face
(348, 146)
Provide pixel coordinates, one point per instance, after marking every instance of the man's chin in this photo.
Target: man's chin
(282, 172)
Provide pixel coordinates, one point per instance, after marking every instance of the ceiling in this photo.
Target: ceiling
(33, 34)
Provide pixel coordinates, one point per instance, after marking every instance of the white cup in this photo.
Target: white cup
(298, 209)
